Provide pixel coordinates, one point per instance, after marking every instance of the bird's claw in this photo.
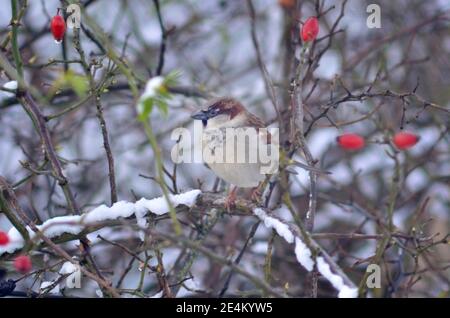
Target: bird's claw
(230, 201)
(256, 195)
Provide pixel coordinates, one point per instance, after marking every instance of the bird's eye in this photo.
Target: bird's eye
(214, 112)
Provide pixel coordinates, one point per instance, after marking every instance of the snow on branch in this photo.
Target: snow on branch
(75, 224)
(305, 252)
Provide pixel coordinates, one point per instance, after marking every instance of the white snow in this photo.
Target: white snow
(159, 206)
(152, 86)
(281, 228)
(59, 225)
(151, 90)
(141, 220)
(68, 268)
(348, 292)
(15, 241)
(74, 224)
(325, 270)
(99, 293)
(335, 280)
(103, 213)
(303, 254)
(10, 85)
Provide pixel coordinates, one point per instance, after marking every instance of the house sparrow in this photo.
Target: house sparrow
(222, 114)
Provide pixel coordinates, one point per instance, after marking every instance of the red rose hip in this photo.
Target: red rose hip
(23, 264)
(4, 238)
(310, 29)
(350, 141)
(58, 27)
(404, 140)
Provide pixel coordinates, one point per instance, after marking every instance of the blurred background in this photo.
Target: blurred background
(370, 81)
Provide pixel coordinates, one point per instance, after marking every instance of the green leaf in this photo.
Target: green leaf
(172, 78)
(70, 80)
(79, 85)
(145, 108)
(164, 108)
(160, 99)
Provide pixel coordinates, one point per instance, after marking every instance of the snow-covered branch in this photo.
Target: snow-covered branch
(75, 224)
(309, 253)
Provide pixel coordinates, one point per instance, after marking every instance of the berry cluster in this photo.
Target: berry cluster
(401, 140)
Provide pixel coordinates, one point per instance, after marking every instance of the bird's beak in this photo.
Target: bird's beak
(201, 115)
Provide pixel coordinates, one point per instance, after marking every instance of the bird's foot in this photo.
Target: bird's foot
(256, 195)
(230, 201)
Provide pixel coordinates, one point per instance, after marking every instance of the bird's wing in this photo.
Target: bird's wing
(254, 121)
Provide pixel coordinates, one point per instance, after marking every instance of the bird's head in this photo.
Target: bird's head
(221, 113)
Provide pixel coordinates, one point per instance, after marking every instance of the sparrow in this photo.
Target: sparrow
(221, 114)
